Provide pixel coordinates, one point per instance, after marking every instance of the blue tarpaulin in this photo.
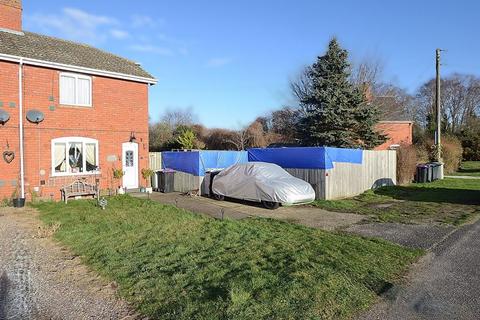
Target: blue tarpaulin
(197, 162)
(306, 157)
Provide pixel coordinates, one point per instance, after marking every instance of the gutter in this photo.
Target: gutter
(20, 127)
(72, 68)
(397, 121)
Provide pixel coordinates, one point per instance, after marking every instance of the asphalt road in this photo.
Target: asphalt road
(444, 285)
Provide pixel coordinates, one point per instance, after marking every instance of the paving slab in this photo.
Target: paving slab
(235, 209)
(408, 235)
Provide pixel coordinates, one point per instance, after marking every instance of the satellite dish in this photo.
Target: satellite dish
(4, 116)
(35, 116)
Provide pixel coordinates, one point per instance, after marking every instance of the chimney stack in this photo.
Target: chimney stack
(11, 15)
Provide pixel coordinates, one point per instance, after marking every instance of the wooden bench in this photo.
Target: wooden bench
(78, 188)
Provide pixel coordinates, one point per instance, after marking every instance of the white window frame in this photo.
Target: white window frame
(67, 140)
(76, 76)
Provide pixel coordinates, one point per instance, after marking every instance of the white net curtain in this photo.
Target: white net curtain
(59, 154)
(72, 156)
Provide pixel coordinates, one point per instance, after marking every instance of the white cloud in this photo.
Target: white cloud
(74, 24)
(218, 62)
(119, 34)
(142, 21)
(82, 26)
(148, 48)
(87, 19)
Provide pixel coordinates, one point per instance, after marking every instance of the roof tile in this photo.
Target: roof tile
(40, 47)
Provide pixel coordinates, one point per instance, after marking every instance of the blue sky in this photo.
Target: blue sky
(231, 61)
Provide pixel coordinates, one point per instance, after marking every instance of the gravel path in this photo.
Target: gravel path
(41, 280)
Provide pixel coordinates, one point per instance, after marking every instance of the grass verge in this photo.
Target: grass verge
(172, 264)
(469, 168)
(450, 201)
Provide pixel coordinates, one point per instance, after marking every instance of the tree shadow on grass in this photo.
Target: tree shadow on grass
(422, 194)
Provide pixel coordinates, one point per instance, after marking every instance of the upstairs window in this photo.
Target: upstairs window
(74, 155)
(75, 90)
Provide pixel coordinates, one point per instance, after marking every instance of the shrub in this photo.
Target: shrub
(451, 152)
(406, 163)
(146, 174)
(470, 137)
(423, 154)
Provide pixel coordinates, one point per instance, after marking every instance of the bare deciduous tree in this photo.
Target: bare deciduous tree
(159, 134)
(302, 85)
(460, 99)
(218, 139)
(256, 135)
(240, 139)
(368, 71)
(393, 102)
(179, 117)
(284, 123)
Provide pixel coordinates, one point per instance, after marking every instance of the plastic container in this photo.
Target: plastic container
(423, 173)
(18, 202)
(166, 181)
(435, 168)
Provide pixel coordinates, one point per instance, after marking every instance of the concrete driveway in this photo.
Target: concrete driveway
(234, 209)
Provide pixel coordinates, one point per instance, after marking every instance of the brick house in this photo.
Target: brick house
(94, 106)
(398, 132)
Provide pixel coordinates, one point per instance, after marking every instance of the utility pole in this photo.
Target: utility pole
(438, 140)
(438, 135)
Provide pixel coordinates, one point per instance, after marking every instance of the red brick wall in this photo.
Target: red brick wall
(11, 14)
(397, 132)
(118, 108)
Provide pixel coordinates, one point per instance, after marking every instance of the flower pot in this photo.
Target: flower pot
(149, 190)
(18, 202)
(142, 189)
(121, 191)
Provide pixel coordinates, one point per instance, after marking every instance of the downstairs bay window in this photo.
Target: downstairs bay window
(74, 156)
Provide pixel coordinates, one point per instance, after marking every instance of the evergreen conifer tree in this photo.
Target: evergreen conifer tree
(335, 113)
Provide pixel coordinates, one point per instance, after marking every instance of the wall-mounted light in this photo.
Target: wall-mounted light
(132, 137)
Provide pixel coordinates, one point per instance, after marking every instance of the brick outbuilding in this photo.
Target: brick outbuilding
(81, 111)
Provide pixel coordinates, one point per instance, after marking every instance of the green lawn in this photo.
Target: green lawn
(469, 168)
(451, 201)
(172, 264)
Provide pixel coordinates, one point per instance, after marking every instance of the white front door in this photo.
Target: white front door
(130, 165)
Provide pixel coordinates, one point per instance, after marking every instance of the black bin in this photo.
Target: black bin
(166, 181)
(423, 173)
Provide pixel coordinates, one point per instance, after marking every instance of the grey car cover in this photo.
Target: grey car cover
(261, 181)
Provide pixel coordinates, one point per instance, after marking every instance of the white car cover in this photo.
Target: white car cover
(261, 181)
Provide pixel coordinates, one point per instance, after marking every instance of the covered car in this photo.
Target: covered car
(262, 182)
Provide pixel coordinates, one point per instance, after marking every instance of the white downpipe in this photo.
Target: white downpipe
(20, 127)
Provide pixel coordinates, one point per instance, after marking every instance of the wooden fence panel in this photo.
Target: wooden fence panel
(316, 177)
(155, 160)
(378, 168)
